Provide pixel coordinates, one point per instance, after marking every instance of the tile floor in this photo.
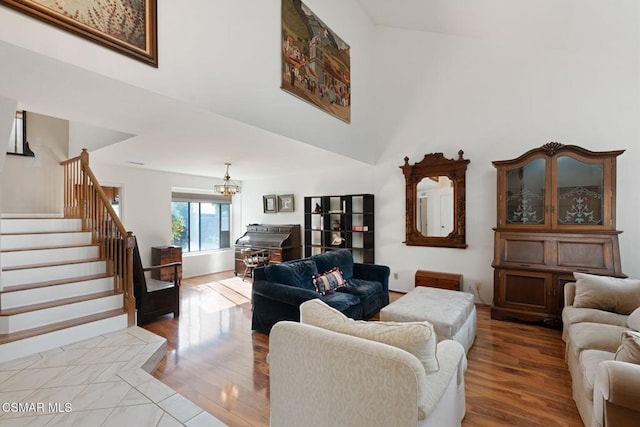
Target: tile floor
(103, 381)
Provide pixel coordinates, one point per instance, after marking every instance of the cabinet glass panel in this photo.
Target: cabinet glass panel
(525, 193)
(580, 190)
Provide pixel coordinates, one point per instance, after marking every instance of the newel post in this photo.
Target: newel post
(129, 296)
(84, 192)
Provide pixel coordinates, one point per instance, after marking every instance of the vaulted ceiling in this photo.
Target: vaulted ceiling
(189, 134)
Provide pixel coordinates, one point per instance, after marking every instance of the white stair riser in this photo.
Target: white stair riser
(45, 256)
(31, 225)
(56, 272)
(34, 319)
(40, 343)
(22, 241)
(52, 293)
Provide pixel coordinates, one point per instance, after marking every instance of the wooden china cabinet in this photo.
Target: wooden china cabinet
(556, 215)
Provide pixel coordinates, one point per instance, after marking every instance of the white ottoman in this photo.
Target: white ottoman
(452, 313)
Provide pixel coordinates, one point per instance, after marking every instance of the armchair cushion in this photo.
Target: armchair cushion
(606, 293)
(629, 350)
(417, 338)
(298, 274)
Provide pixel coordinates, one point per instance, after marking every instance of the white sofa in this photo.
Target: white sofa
(606, 391)
(324, 378)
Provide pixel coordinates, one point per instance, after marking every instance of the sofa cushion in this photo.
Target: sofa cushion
(341, 258)
(417, 338)
(339, 300)
(297, 273)
(362, 288)
(629, 350)
(594, 336)
(328, 281)
(589, 361)
(571, 315)
(606, 293)
(634, 320)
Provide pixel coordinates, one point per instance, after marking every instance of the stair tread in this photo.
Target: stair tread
(57, 303)
(42, 248)
(41, 215)
(27, 233)
(28, 333)
(52, 264)
(15, 288)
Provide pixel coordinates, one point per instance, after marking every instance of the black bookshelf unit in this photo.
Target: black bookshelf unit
(334, 222)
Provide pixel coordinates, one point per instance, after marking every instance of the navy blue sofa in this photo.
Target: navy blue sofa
(279, 289)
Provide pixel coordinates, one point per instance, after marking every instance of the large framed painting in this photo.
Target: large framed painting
(126, 26)
(316, 65)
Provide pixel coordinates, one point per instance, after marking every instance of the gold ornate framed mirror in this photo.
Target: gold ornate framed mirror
(435, 194)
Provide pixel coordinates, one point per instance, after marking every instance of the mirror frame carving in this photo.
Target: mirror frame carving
(435, 164)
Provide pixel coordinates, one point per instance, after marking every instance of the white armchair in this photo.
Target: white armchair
(324, 378)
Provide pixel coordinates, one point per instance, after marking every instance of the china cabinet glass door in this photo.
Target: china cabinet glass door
(526, 188)
(579, 199)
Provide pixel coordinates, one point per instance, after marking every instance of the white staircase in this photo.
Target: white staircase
(54, 289)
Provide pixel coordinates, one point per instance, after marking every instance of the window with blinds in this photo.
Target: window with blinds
(200, 222)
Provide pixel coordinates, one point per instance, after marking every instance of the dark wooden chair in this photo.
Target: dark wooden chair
(253, 258)
(154, 297)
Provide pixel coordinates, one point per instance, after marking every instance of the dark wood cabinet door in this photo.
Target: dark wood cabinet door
(526, 293)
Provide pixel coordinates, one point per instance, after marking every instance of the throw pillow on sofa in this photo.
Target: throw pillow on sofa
(634, 320)
(328, 281)
(417, 338)
(606, 293)
(629, 350)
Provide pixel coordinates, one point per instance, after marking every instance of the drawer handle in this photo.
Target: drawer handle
(582, 270)
(525, 265)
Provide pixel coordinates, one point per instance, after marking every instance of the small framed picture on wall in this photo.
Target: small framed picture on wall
(285, 203)
(269, 203)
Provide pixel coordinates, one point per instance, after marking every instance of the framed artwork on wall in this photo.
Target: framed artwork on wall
(128, 27)
(285, 203)
(269, 203)
(316, 62)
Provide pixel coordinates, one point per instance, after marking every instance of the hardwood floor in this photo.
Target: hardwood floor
(516, 374)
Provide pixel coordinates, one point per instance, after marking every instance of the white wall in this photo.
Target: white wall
(82, 135)
(224, 56)
(7, 116)
(495, 102)
(145, 204)
(34, 184)
(439, 93)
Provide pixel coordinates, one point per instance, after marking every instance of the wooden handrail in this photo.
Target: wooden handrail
(84, 198)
